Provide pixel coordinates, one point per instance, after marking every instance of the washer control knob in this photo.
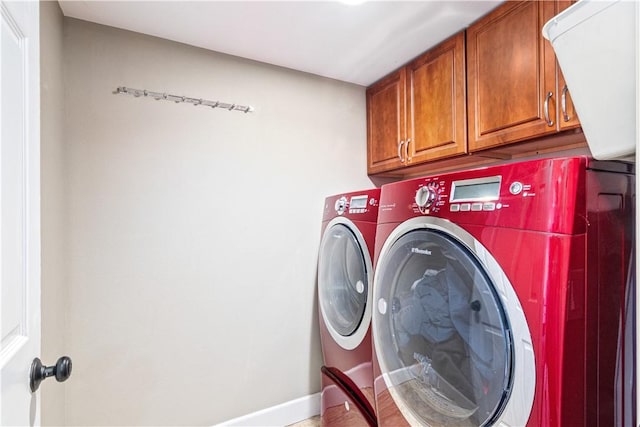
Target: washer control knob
(425, 196)
(341, 205)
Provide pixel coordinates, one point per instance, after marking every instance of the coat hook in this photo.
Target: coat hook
(178, 99)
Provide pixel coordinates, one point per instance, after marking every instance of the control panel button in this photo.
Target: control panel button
(454, 207)
(465, 207)
(489, 206)
(515, 188)
(476, 206)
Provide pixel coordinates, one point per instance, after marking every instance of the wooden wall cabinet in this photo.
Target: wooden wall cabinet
(495, 94)
(515, 86)
(386, 123)
(418, 113)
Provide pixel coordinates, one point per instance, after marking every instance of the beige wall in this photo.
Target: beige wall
(193, 233)
(53, 215)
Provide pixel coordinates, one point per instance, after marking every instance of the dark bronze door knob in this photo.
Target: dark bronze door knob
(61, 370)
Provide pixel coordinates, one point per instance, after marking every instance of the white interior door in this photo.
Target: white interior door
(19, 209)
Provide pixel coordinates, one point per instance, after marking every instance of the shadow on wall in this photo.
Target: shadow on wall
(379, 181)
(316, 348)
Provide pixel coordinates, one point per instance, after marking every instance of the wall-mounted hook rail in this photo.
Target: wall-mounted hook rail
(178, 99)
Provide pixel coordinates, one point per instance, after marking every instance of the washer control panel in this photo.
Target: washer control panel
(466, 195)
(545, 194)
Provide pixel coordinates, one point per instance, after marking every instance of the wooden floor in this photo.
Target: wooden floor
(311, 422)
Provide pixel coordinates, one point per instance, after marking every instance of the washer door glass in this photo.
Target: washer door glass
(342, 280)
(442, 338)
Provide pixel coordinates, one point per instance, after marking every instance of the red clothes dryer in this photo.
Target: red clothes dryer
(499, 295)
(345, 282)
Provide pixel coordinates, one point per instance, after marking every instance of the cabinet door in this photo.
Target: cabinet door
(386, 123)
(567, 116)
(511, 75)
(437, 120)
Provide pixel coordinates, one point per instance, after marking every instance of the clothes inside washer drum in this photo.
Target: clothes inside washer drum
(449, 316)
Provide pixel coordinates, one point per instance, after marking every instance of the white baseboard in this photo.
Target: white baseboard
(280, 415)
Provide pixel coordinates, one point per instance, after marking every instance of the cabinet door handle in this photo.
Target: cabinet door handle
(563, 99)
(546, 109)
(406, 150)
(400, 144)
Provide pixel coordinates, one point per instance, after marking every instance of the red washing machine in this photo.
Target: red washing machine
(345, 283)
(499, 296)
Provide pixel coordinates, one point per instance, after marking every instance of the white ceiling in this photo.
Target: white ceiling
(352, 43)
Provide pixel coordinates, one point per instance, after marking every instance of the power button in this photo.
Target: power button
(515, 188)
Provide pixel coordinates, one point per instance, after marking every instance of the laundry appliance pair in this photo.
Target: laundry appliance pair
(500, 297)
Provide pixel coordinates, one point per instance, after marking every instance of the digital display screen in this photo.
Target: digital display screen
(479, 189)
(358, 202)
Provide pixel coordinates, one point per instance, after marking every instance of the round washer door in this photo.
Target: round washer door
(344, 283)
(450, 335)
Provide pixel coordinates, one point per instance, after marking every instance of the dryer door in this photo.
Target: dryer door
(443, 333)
(344, 283)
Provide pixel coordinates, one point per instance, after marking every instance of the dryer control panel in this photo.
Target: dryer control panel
(357, 206)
